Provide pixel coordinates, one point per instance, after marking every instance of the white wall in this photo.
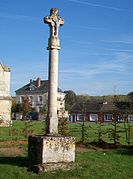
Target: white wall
(5, 99)
(4, 82)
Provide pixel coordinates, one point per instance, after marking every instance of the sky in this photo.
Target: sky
(96, 55)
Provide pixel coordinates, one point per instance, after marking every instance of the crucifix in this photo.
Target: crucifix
(54, 21)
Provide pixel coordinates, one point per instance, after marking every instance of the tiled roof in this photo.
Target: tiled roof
(94, 107)
(31, 88)
(88, 107)
(106, 107)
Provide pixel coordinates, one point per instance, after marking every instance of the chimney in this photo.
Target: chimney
(30, 85)
(38, 82)
(30, 81)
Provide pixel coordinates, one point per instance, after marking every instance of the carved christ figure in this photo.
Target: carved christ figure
(54, 21)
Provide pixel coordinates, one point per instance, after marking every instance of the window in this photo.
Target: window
(130, 118)
(40, 109)
(80, 117)
(21, 99)
(72, 118)
(121, 118)
(108, 117)
(39, 99)
(31, 99)
(93, 117)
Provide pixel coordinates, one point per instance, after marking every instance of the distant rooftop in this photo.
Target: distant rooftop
(35, 87)
(94, 107)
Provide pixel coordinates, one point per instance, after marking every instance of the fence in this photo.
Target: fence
(85, 132)
(121, 133)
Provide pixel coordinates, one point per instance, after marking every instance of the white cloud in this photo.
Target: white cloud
(119, 50)
(129, 42)
(87, 27)
(96, 5)
(17, 16)
(100, 78)
(116, 65)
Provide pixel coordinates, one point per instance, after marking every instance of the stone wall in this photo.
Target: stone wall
(5, 99)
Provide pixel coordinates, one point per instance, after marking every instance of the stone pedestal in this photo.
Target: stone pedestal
(51, 152)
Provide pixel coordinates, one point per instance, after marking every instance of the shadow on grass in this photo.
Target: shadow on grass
(118, 148)
(125, 151)
(17, 161)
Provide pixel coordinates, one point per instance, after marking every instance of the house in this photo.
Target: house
(37, 91)
(100, 112)
(5, 98)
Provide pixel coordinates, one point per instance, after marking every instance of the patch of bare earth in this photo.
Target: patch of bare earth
(11, 148)
(11, 151)
(8, 143)
(81, 148)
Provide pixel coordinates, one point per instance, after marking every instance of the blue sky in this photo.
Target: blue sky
(96, 53)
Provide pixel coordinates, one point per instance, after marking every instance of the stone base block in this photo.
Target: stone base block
(51, 149)
(52, 167)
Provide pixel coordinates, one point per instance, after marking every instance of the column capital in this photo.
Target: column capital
(54, 21)
(53, 43)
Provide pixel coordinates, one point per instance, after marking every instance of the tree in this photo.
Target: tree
(70, 99)
(63, 126)
(83, 98)
(44, 109)
(16, 107)
(26, 107)
(130, 96)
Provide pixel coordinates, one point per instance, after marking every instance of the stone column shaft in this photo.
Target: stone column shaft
(54, 21)
(52, 127)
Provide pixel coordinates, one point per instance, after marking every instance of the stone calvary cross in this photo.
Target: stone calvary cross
(52, 152)
(54, 21)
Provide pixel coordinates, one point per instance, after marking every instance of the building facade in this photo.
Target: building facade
(100, 112)
(37, 91)
(5, 98)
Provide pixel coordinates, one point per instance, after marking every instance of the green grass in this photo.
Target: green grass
(92, 164)
(95, 163)
(16, 132)
(92, 132)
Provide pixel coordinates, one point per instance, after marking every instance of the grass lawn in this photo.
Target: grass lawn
(116, 164)
(92, 130)
(92, 162)
(16, 132)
